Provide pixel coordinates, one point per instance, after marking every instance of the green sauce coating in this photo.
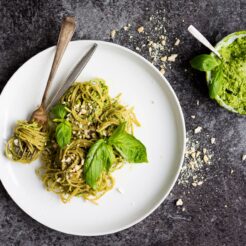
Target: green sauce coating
(233, 78)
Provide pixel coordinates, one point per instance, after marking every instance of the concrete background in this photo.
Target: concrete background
(215, 211)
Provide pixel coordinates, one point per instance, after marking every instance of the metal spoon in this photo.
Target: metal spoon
(66, 33)
(203, 40)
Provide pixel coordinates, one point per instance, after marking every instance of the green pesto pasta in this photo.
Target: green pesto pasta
(93, 114)
(27, 142)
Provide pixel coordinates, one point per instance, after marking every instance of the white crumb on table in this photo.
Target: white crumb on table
(179, 202)
(198, 130)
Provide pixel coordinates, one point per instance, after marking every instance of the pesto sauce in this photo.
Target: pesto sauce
(233, 79)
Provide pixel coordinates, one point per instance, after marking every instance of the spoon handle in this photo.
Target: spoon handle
(203, 40)
(66, 33)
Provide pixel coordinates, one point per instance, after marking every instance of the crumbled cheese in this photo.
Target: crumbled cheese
(193, 116)
(113, 33)
(244, 157)
(140, 29)
(179, 202)
(16, 142)
(172, 57)
(197, 102)
(205, 158)
(162, 71)
(194, 162)
(164, 58)
(83, 111)
(198, 130)
(137, 48)
(212, 140)
(177, 42)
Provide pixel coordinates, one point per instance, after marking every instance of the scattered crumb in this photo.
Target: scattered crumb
(244, 157)
(16, 142)
(205, 158)
(179, 202)
(198, 130)
(172, 57)
(197, 102)
(140, 29)
(164, 58)
(162, 71)
(126, 28)
(137, 48)
(197, 159)
(113, 33)
(225, 206)
(193, 116)
(177, 42)
(212, 140)
(120, 190)
(183, 209)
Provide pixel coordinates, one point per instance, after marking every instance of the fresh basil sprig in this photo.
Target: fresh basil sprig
(59, 111)
(205, 62)
(63, 131)
(101, 154)
(215, 83)
(130, 148)
(100, 157)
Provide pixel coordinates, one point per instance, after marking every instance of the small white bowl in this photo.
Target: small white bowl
(224, 43)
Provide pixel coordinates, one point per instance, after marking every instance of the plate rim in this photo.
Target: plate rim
(182, 133)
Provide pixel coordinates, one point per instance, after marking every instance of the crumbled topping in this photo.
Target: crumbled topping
(212, 140)
(196, 159)
(177, 42)
(244, 157)
(172, 57)
(140, 29)
(16, 142)
(164, 58)
(198, 130)
(179, 202)
(162, 71)
(113, 33)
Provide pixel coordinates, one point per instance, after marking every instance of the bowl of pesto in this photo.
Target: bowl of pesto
(226, 77)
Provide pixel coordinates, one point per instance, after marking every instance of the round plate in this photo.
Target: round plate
(143, 186)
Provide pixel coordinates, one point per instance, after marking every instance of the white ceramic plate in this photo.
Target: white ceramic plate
(145, 186)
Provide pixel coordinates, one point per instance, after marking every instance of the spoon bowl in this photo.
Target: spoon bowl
(226, 41)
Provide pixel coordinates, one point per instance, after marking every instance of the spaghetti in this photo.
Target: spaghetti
(93, 115)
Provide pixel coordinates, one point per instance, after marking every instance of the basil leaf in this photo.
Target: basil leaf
(215, 83)
(59, 111)
(100, 157)
(130, 148)
(63, 133)
(204, 62)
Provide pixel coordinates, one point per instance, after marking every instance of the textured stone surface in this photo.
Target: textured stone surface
(214, 212)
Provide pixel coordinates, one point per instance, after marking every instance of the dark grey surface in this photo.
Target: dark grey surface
(28, 27)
